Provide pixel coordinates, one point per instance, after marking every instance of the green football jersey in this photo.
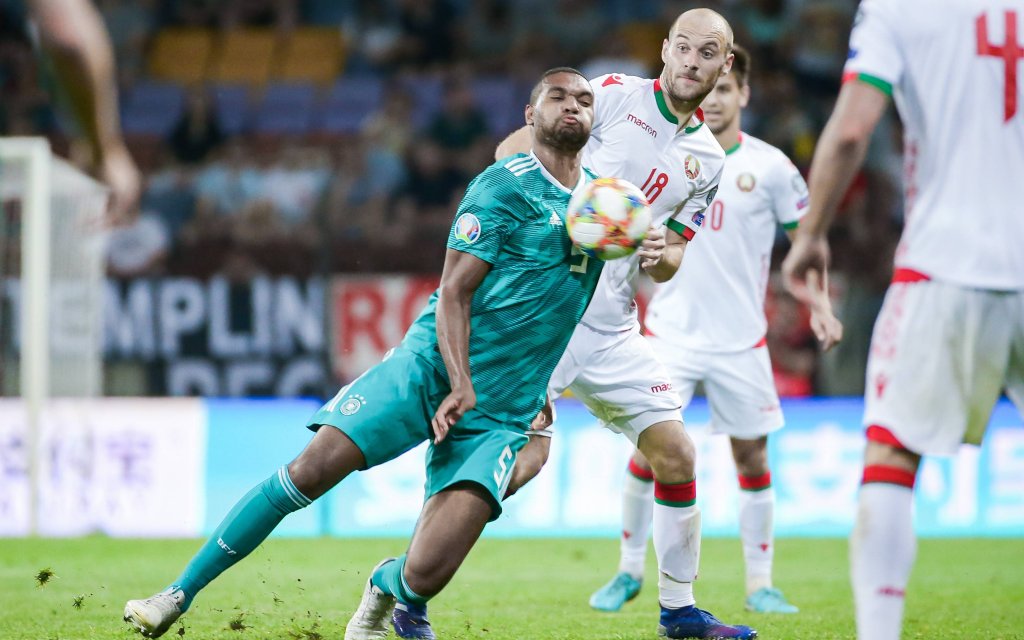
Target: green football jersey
(526, 308)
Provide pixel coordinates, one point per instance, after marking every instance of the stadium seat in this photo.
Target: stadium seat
(311, 54)
(502, 102)
(231, 103)
(151, 108)
(428, 95)
(287, 108)
(181, 55)
(643, 40)
(244, 56)
(348, 103)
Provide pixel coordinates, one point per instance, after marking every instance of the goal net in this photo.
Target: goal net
(51, 289)
(52, 264)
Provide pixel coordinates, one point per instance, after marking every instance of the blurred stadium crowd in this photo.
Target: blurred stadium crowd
(315, 137)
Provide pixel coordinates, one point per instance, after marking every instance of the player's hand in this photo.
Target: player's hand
(455, 405)
(808, 254)
(545, 417)
(118, 172)
(653, 248)
(826, 326)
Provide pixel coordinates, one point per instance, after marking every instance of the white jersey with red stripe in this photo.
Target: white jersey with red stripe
(637, 138)
(716, 301)
(955, 70)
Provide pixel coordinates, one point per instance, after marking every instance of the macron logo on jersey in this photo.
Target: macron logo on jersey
(610, 80)
(643, 125)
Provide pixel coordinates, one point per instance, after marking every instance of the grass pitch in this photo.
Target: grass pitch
(296, 589)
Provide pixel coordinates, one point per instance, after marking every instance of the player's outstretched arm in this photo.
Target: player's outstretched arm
(460, 278)
(519, 141)
(837, 157)
(72, 31)
(661, 253)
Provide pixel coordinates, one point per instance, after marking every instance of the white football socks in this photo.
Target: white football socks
(757, 509)
(882, 550)
(637, 511)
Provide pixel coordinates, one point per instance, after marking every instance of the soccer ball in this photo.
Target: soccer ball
(608, 218)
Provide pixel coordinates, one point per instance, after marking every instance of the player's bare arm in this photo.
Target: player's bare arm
(826, 326)
(461, 276)
(519, 141)
(838, 156)
(661, 253)
(73, 33)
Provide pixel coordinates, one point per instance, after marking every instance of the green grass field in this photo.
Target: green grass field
(306, 589)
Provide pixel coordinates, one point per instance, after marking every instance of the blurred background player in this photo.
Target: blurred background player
(72, 33)
(708, 326)
(648, 132)
(950, 334)
(508, 268)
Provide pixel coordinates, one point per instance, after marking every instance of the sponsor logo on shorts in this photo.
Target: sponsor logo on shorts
(746, 182)
(658, 388)
(691, 166)
(352, 404)
(467, 228)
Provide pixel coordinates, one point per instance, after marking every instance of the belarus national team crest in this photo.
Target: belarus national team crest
(467, 228)
(352, 404)
(692, 167)
(746, 182)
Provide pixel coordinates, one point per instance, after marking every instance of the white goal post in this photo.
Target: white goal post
(58, 333)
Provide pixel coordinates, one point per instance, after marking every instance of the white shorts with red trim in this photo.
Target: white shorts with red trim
(940, 356)
(739, 386)
(618, 378)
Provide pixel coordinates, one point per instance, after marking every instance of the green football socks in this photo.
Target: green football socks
(389, 579)
(245, 527)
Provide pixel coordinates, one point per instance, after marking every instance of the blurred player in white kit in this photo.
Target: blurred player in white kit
(950, 335)
(707, 325)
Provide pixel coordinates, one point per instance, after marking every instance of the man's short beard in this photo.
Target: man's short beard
(565, 139)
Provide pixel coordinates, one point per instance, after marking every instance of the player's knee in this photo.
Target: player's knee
(751, 456)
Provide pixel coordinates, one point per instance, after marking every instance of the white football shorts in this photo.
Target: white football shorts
(940, 356)
(618, 378)
(739, 386)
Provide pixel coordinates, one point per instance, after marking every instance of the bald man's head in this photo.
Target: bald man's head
(697, 52)
(705, 21)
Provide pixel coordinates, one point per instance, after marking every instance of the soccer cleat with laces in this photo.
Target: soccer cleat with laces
(411, 621)
(155, 615)
(370, 620)
(691, 622)
(769, 600)
(619, 590)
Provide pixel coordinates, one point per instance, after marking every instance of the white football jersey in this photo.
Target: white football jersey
(955, 70)
(716, 301)
(636, 137)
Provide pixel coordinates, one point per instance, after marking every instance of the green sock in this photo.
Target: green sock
(247, 525)
(390, 580)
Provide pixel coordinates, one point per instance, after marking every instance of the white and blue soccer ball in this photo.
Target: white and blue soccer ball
(608, 218)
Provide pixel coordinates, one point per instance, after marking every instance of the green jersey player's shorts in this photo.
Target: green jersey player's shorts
(387, 411)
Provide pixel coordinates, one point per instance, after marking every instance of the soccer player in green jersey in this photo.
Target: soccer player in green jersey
(512, 290)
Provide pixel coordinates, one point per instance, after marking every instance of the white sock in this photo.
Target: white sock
(882, 550)
(757, 509)
(637, 509)
(676, 543)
